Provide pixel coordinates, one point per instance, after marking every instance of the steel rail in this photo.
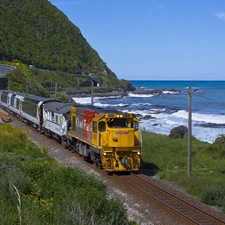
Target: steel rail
(188, 211)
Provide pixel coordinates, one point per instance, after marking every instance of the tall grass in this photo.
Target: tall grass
(19, 204)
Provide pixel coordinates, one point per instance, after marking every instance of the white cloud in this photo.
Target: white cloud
(220, 15)
(161, 6)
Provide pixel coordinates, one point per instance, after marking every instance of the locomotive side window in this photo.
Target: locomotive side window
(17, 103)
(4, 98)
(29, 107)
(68, 116)
(52, 116)
(101, 126)
(45, 114)
(95, 127)
(134, 125)
(12, 101)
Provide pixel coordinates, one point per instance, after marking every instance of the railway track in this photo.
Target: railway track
(192, 214)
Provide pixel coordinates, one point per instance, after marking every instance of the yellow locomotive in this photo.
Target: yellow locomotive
(109, 138)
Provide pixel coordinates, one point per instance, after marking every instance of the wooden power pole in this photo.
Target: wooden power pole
(92, 93)
(189, 132)
(55, 90)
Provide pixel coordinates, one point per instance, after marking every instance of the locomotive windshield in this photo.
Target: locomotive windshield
(118, 122)
(115, 123)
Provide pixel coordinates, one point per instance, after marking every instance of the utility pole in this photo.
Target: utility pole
(55, 90)
(189, 132)
(92, 93)
(26, 88)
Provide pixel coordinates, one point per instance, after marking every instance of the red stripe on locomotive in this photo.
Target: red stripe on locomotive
(88, 116)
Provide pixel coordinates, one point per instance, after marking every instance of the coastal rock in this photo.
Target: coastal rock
(141, 117)
(147, 117)
(101, 92)
(178, 132)
(212, 125)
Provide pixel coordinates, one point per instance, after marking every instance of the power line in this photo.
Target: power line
(211, 99)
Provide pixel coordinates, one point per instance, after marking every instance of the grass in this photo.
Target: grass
(168, 158)
(35, 189)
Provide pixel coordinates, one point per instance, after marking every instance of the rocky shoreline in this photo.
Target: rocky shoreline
(120, 92)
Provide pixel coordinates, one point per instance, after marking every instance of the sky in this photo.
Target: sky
(154, 39)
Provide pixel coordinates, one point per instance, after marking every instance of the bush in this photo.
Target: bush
(178, 132)
(11, 138)
(220, 140)
(214, 196)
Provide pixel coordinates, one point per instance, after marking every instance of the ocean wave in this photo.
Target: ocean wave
(203, 128)
(140, 95)
(170, 92)
(82, 100)
(111, 105)
(110, 97)
(199, 117)
(87, 100)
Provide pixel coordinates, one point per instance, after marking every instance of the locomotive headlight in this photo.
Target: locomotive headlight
(138, 153)
(107, 153)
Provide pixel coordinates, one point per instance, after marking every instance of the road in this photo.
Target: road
(5, 69)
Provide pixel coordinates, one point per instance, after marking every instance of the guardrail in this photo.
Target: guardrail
(4, 116)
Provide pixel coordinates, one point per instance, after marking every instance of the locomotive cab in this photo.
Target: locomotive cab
(119, 138)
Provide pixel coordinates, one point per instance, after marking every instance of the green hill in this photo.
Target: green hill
(37, 33)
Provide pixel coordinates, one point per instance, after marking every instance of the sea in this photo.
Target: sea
(169, 104)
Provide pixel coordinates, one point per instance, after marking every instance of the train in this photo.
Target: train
(109, 138)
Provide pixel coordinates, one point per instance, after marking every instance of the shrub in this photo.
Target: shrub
(220, 140)
(11, 138)
(178, 132)
(214, 196)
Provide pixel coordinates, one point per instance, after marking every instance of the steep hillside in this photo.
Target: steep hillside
(23, 80)
(36, 32)
(45, 83)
